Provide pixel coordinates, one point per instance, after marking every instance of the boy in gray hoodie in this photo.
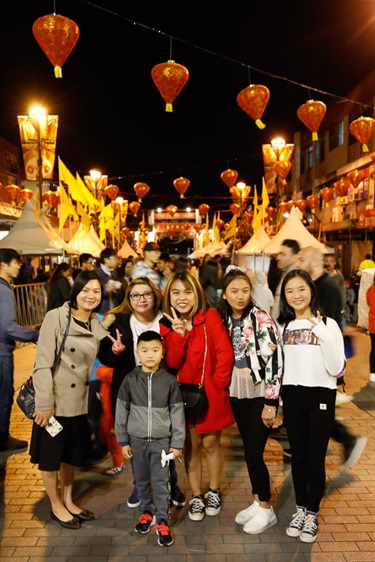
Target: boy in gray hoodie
(149, 419)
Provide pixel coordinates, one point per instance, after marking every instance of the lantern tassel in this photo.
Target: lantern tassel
(168, 107)
(365, 148)
(260, 124)
(58, 72)
(315, 136)
(139, 200)
(182, 196)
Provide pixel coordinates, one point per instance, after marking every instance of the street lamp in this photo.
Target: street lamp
(36, 114)
(95, 175)
(123, 211)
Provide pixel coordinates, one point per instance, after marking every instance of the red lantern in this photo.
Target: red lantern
(12, 192)
(342, 187)
(57, 37)
(51, 198)
(125, 231)
(26, 194)
(271, 212)
(219, 223)
(283, 206)
(169, 78)
(171, 209)
(248, 218)
(326, 194)
(111, 191)
(253, 100)
(234, 208)
(312, 201)
(362, 129)
(181, 185)
(203, 209)
(355, 177)
(141, 189)
(311, 114)
(282, 169)
(229, 177)
(134, 206)
(301, 204)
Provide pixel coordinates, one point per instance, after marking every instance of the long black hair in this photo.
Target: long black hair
(80, 282)
(224, 309)
(287, 313)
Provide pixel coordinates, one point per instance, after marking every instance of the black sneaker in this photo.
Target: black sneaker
(165, 537)
(309, 532)
(13, 444)
(177, 497)
(213, 502)
(146, 521)
(287, 453)
(196, 509)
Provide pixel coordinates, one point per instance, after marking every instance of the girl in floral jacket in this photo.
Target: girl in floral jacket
(254, 389)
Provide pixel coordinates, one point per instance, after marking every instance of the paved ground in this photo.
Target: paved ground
(347, 516)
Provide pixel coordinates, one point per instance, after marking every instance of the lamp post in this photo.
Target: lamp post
(241, 187)
(278, 144)
(123, 211)
(95, 175)
(36, 114)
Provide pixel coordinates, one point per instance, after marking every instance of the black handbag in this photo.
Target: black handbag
(194, 396)
(26, 395)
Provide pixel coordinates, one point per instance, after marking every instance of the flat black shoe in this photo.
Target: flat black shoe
(84, 515)
(72, 524)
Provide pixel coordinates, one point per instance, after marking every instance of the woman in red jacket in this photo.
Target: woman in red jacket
(370, 297)
(206, 343)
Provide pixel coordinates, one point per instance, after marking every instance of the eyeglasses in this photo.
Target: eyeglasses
(137, 296)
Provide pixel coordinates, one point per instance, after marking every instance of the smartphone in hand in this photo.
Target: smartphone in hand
(54, 427)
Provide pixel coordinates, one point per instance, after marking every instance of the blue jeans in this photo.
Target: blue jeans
(6, 395)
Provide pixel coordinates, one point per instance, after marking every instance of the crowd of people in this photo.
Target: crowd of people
(137, 332)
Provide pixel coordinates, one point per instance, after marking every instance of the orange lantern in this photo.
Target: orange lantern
(203, 209)
(282, 169)
(51, 198)
(219, 223)
(355, 177)
(125, 231)
(169, 78)
(312, 201)
(372, 158)
(301, 204)
(134, 206)
(342, 187)
(271, 212)
(229, 177)
(326, 194)
(248, 218)
(234, 208)
(253, 100)
(283, 206)
(26, 194)
(141, 189)
(57, 37)
(171, 209)
(312, 114)
(12, 192)
(111, 191)
(181, 185)
(362, 129)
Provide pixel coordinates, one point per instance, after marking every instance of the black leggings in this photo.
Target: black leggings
(309, 414)
(254, 433)
(372, 354)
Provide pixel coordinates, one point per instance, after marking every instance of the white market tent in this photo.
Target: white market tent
(126, 250)
(256, 243)
(86, 242)
(213, 249)
(294, 229)
(29, 236)
(55, 236)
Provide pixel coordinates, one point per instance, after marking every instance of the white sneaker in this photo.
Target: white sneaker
(342, 398)
(372, 377)
(246, 514)
(262, 520)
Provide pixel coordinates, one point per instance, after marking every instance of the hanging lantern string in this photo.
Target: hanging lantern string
(170, 47)
(229, 59)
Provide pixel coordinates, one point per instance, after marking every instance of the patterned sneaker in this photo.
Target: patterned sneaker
(310, 527)
(133, 500)
(146, 521)
(246, 514)
(177, 497)
(262, 520)
(165, 537)
(296, 525)
(213, 502)
(196, 509)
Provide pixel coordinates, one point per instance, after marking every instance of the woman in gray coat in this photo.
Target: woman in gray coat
(65, 395)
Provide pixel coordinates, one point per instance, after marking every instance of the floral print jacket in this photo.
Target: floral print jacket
(258, 331)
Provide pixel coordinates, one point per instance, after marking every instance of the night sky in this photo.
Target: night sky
(112, 117)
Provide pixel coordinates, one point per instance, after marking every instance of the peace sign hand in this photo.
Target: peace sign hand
(316, 322)
(117, 347)
(178, 324)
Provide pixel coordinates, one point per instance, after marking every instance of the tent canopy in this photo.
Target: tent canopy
(31, 237)
(213, 249)
(256, 243)
(86, 242)
(294, 229)
(126, 250)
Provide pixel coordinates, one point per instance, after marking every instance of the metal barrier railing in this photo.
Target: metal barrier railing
(31, 304)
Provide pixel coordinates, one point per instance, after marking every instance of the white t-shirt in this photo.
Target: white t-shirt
(138, 328)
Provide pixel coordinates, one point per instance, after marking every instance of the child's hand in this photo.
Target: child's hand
(117, 347)
(177, 453)
(127, 452)
(272, 346)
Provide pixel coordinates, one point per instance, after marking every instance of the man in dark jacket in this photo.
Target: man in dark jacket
(9, 332)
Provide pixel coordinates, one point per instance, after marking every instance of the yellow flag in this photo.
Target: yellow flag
(232, 228)
(85, 219)
(66, 209)
(265, 198)
(87, 196)
(67, 177)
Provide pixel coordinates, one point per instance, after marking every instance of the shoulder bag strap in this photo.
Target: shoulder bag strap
(205, 354)
(58, 356)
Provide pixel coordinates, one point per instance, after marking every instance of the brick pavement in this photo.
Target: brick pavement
(347, 516)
